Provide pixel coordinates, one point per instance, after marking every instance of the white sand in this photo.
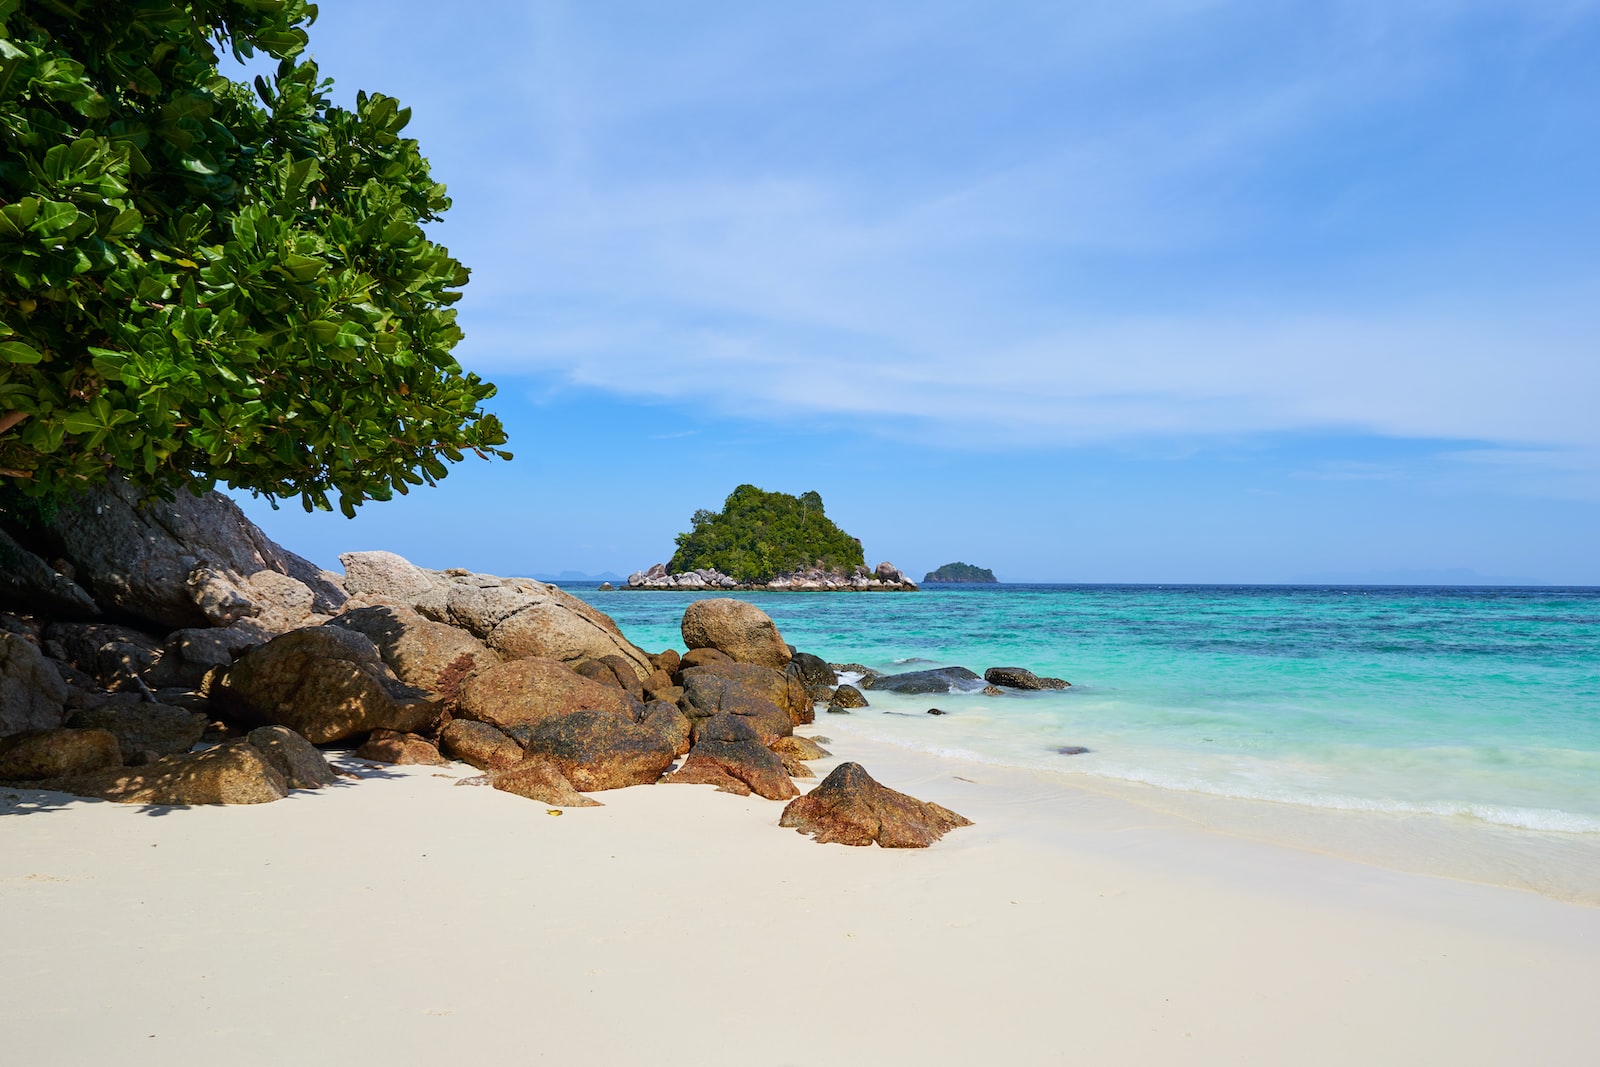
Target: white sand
(407, 920)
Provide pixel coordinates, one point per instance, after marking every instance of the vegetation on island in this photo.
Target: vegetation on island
(205, 281)
(960, 572)
(759, 535)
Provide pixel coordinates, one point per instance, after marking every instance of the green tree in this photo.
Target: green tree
(758, 535)
(200, 282)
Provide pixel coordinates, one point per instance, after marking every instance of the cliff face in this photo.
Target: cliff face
(960, 572)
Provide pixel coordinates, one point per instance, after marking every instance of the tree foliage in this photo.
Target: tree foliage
(960, 572)
(200, 282)
(758, 535)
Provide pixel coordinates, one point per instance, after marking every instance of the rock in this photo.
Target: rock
(292, 756)
(813, 671)
(701, 657)
(56, 753)
(385, 576)
(670, 722)
(850, 808)
(479, 744)
(737, 628)
(803, 748)
(708, 691)
(526, 691)
(667, 661)
(540, 779)
(600, 749)
(614, 671)
(1022, 678)
(660, 686)
(938, 680)
(795, 767)
(143, 727)
(423, 653)
(111, 654)
(32, 694)
(889, 573)
(234, 772)
(392, 746)
(993, 691)
(1071, 750)
(326, 683)
(190, 654)
(519, 618)
(138, 556)
(776, 687)
(846, 697)
(727, 748)
(935, 711)
(34, 585)
(607, 587)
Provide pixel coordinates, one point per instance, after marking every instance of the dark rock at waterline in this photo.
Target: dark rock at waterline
(845, 698)
(937, 680)
(935, 711)
(1022, 678)
(1071, 750)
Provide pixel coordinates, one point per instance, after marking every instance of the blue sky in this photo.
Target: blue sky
(1134, 291)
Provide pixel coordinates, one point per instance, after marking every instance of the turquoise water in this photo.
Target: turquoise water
(1477, 703)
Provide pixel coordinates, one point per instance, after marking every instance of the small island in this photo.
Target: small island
(960, 572)
(769, 541)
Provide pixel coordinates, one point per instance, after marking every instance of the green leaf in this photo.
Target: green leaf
(18, 352)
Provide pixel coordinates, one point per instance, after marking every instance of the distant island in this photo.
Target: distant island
(771, 541)
(960, 572)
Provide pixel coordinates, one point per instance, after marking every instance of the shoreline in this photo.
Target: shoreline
(399, 915)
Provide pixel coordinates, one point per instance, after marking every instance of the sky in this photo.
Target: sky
(1152, 290)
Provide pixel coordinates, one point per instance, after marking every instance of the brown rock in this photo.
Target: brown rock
(726, 746)
(704, 686)
(666, 661)
(850, 808)
(111, 654)
(669, 721)
(391, 746)
(234, 772)
(32, 694)
(527, 691)
(701, 657)
(803, 748)
(57, 753)
(325, 683)
(143, 727)
(518, 617)
(795, 767)
(385, 576)
(292, 756)
(1022, 678)
(429, 655)
(540, 779)
(479, 744)
(737, 628)
(601, 749)
(846, 697)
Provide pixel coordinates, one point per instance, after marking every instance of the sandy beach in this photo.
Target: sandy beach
(401, 917)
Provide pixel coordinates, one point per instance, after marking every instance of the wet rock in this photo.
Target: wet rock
(479, 744)
(846, 697)
(392, 746)
(302, 766)
(325, 683)
(143, 727)
(526, 691)
(803, 748)
(1071, 750)
(32, 694)
(935, 711)
(728, 754)
(540, 779)
(937, 680)
(737, 628)
(813, 671)
(993, 691)
(600, 749)
(56, 753)
(850, 808)
(1022, 678)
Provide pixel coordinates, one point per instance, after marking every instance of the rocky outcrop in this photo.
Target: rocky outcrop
(704, 687)
(184, 562)
(392, 746)
(144, 730)
(32, 694)
(479, 744)
(600, 750)
(850, 808)
(58, 753)
(517, 617)
(937, 680)
(806, 580)
(708, 691)
(1022, 678)
(540, 779)
(292, 756)
(423, 653)
(737, 628)
(326, 683)
(531, 690)
(234, 772)
(728, 755)
(29, 582)
(845, 698)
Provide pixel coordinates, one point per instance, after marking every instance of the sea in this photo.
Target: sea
(1439, 710)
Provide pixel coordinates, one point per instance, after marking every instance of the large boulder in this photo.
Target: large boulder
(937, 680)
(530, 690)
(540, 779)
(707, 693)
(729, 755)
(141, 728)
(326, 683)
(32, 694)
(427, 654)
(737, 628)
(1022, 678)
(850, 808)
(182, 562)
(814, 673)
(517, 617)
(34, 585)
(703, 687)
(601, 750)
(292, 756)
(479, 744)
(668, 720)
(392, 746)
(113, 655)
(56, 753)
(234, 772)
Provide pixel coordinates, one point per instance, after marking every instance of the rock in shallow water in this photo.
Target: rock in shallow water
(1022, 678)
(937, 680)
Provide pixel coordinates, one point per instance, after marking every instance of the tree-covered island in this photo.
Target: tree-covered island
(960, 572)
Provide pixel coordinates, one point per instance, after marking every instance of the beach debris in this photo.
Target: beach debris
(850, 807)
(936, 680)
(1022, 678)
(728, 753)
(737, 628)
(846, 697)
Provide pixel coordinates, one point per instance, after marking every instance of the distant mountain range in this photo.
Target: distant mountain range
(1446, 576)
